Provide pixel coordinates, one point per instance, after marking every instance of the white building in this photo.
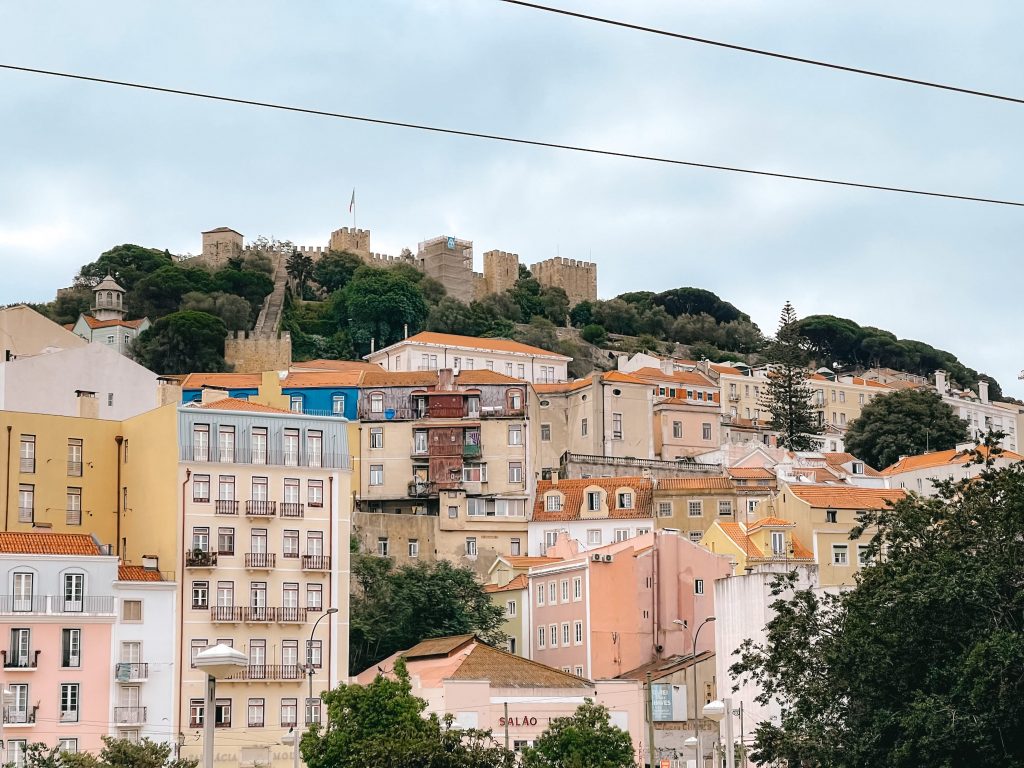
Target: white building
(980, 413)
(429, 351)
(920, 473)
(25, 332)
(91, 381)
(107, 324)
(143, 690)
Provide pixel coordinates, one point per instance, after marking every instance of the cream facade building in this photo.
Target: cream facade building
(25, 333)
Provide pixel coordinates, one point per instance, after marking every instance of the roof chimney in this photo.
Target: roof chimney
(373, 344)
(983, 391)
(940, 382)
(88, 404)
(445, 379)
(168, 391)
(668, 367)
(213, 394)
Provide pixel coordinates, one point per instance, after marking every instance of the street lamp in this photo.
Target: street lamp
(292, 737)
(691, 743)
(219, 661)
(309, 658)
(718, 711)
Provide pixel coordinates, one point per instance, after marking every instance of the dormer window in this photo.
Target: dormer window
(778, 543)
(553, 502)
(593, 501)
(858, 468)
(625, 500)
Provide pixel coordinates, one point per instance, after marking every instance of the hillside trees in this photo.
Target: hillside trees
(127, 263)
(183, 342)
(787, 396)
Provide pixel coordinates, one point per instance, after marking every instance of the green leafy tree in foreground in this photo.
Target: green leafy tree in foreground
(382, 724)
(585, 739)
(786, 396)
(378, 304)
(922, 664)
(299, 266)
(333, 270)
(183, 342)
(903, 423)
(116, 753)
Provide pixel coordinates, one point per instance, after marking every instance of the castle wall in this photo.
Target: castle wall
(356, 241)
(247, 353)
(501, 271)
(577, 278)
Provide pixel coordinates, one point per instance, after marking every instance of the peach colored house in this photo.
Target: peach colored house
(605, 611)
(687, 410)
(513, 697)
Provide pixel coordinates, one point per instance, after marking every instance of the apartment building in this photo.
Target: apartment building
(687, 409)
(592, 512)
(920, 473)
(768, 540)
(265, 530)
(690, 505)
(980, 413)
(430, 351)
(607, 415)
(445, 458)
(67, 615)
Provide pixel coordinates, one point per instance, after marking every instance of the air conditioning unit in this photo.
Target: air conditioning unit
(596, 558)
(606, 558)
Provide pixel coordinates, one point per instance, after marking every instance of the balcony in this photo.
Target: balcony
(260, 560)
(131, 672)
(257, 508)
(316, 562)
(129, 716)
(292, 509)
(200, 558)
(419, 489)
(16, 661)
(245, 454)
(472, 451)
(56, 605)
(226, 614)
(225, 507)
(291, 615)
(267, 672)
(235, 614)
(446, 411)
(17, 716)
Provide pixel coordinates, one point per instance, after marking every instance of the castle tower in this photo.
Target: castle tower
(501, 270)
(221, 244)
(108, 300)
(351, 240)
(449, 260)
(577, 278)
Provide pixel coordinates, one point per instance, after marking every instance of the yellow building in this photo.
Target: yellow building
(823, 516)
(768, 540)
(691, 505)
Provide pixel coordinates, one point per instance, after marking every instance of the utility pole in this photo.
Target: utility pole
(650, 719)
(506, 726)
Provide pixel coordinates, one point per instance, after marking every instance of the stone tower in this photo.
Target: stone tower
(577, 278)
(501, 270)
(108, 300)
(354, 241)
(449, 260)
(221, 244)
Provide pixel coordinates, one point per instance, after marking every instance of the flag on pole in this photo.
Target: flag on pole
(352, 202)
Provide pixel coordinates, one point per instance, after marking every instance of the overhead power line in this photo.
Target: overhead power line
(510, 139)
(763, 52)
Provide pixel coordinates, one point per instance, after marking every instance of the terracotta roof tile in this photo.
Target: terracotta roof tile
(562, 387)
(735, 532)
(836, 460)
(437, 646)
(770, 522)
(93, 323)
(708, 483)
(226, 380)
(505, 670)
(800, 552)
(523, 561)
(621, 378)
(40, 543)
(137, 573)
(846, 497)
(680, 377)
(942, 459)
(573, 491)
(473, 342)
(234, 404)
(333, 365)
(350, 378)
(519, 582)
(751, 473)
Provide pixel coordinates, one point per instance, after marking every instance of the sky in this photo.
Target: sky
(84, 167)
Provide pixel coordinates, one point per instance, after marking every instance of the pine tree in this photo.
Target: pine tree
(787, 397)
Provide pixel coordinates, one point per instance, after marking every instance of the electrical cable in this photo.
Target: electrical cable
(512, 139)
(763, 52)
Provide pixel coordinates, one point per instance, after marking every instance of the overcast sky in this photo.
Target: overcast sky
(84, 167)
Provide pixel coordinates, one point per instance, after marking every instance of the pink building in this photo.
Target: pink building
(486, 688)
(606, 611)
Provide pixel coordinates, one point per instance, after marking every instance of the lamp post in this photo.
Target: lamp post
(696, 715)
(292, 738)
(718, 711)
(309, 658)
(219, 661)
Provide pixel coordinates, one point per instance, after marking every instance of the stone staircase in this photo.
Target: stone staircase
(269, 320)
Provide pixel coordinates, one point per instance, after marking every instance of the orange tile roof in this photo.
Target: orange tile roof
(708, 483)
(941, 459)
(741, 538)
(473, 342)
(562, 387)
(680, 377)
(350, 378)
(519, 582)
(735, 532)
(573, 502)
(505, 670)
(523, 561)
(226, 380)
(43, 543)
(93, 323)
(868, 383)
(384, 378)
(752, 473)
(770, 522)
(836, 460)
(234, 404)
(334, 365)
(621, 378)
(728, 369)
(846, 497)
(137, 573)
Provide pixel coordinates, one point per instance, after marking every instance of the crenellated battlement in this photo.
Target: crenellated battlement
(576, 277)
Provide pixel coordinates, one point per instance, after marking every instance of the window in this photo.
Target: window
(75, 457)
(510, 608)
(860, 399)
(315, 491)
(131, 610)
(553, 635)
(290, 547)
(376, 474)
(545, 433)
(376, 402)
(255, 708)
(565, 634)
(489, 365)
(419, 441)
(16, 751)
(69, 702)
(778, 543)
(201, 539)
(225, 594)
(74, 592)
(705, 429)
(70, 746)
(515, 548)
(510, 645)
(695, 508)
(583, 427)
(259, 445)
(621, 534)
(508, 369)
(222, 713)
(225, 490)
(200, 594)
(315, 448)
(664, 509)
(471, 546)
(863, 559)
(414, 548)
(593, 501)
(550, 538)
(474, 473)
(382, 546)
(291, 447)
(315, 597)
(696, 536)
(831, 516)
(540, 594)
(724, 507)
(698, 586)
(73, 513)
(26, 503)
(201, 489)
(625, 500)
(295, 403)
(201, 442)
(552, 592)
(594, 537)
(677, 429)
(338, 405)
(376, 437)
(839, 554)
(842, 397)
(858, 468)
(616, 426)
(289, 713)
(315, 653)
(27, 463)
(515, 434)
(196, 710)
(515, 472)
(577, 589)
(565, 590)
(453, 512)
(553, 502)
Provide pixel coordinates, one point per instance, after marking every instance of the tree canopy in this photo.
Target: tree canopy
(392, 608)
(378, 304)
(903, 423)
(116, 753)
(923, 662)
(786, 396)
(183, 342)
(127, 263)
(585, 739)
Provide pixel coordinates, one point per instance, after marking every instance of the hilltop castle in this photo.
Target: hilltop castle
(447, 259)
